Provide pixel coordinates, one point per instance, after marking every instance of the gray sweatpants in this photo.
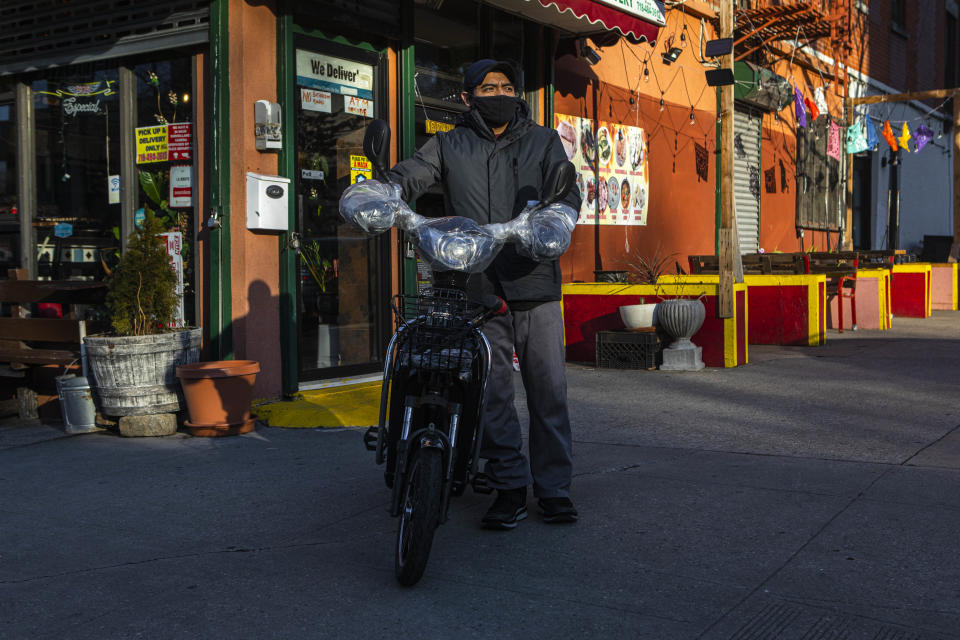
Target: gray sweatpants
(537, 336)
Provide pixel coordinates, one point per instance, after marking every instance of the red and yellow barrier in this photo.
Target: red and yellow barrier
(910, 288)
(592, 307)
(873, 299)
(782, 309)
(943, 285)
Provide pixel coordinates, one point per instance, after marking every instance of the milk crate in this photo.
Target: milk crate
(629, 349)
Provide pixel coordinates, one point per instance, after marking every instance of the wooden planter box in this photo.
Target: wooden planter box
(592, 307)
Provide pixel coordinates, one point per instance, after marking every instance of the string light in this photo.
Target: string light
(661, 104)
(683, 37)
(646, 73)
(692, 119)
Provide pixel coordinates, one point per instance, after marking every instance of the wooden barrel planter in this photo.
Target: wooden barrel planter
(136, 375)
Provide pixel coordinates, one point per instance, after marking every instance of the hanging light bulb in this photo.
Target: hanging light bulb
(940, 133)
(661, 104)
(683, 37)
(693, 120)
(646, 73)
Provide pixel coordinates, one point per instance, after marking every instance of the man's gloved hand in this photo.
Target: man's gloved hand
(545, 235)
(373, 206)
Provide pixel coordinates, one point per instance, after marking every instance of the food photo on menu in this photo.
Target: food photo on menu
(591, 193)
(568, 137)
(604, 147)
(636, 149)
(620, 146)
(587, 141)
(602, 195)
(639, 197)
(613, 193)
(625, 195)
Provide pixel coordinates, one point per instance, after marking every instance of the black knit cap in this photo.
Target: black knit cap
(477, 71)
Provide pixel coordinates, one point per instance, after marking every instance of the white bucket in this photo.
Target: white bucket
(76, 404)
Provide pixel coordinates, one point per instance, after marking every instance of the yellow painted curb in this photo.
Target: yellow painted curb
(356, 405)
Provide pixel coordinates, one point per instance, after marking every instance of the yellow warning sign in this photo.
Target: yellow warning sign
(433, 126)
(152, 144)
(360, 169)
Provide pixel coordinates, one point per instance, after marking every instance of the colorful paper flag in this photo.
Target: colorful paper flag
(702, 160)
(856, 138)
(798, 108)
(888, 135)
(905, 138)
(821, 101)
(833, 141)
(814, 112)
(872, 139)
(923, 134)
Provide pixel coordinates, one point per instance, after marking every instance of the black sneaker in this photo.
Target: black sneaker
(557, 510)
(507, 510)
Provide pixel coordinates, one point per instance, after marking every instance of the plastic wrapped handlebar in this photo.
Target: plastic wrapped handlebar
(454, 242)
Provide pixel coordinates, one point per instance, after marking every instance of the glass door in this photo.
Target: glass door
(343, 288)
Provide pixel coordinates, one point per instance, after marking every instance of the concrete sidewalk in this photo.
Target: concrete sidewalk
(809, 495)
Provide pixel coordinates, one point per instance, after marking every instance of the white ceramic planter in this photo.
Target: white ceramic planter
(636, 316)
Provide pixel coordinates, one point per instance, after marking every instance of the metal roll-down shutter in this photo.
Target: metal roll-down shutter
(746, 178)
(40, 34)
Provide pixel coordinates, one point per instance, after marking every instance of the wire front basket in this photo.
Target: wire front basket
(437, 337)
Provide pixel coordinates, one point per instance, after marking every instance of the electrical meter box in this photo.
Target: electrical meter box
(267, 198)
(266, 126)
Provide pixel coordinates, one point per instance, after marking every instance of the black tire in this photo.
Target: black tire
(419, 514)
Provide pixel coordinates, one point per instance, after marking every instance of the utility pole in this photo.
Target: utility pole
(725, 235)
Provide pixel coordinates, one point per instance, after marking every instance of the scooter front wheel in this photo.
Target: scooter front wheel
(419, 514)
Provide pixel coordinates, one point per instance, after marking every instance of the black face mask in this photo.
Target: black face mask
(496, 111)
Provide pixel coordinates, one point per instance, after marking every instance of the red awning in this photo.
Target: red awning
(585, 17)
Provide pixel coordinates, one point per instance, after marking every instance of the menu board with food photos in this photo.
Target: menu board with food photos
(618, 192)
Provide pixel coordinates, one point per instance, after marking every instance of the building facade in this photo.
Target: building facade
(180, 108)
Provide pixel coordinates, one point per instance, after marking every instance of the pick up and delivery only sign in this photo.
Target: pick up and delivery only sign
(152, 144)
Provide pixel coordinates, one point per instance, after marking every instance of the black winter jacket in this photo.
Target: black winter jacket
(490, 179)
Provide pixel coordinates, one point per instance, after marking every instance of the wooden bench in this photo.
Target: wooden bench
(839, 267)
(753, 263)
(31, 343)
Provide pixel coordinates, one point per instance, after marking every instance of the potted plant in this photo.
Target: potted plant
(133, 370)
(644, 269)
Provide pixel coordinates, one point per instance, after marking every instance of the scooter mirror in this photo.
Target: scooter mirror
(558, 183)
(376, 145)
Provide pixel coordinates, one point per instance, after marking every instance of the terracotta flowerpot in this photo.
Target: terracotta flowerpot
(218, 396)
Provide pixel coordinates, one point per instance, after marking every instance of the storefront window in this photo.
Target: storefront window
(77, 223)
(448, 39)
(165, 161)
(9, 213)
(506, 36)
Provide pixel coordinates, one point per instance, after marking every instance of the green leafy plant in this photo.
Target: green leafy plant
(322, 269)
(141, 293)
(155, 185)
